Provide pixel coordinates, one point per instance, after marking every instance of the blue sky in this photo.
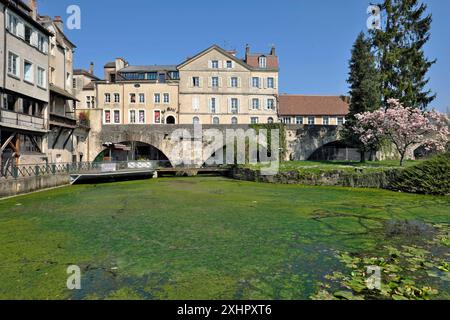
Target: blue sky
(313, 38)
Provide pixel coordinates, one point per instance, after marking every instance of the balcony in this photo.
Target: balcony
(21, 121)
(66, 121)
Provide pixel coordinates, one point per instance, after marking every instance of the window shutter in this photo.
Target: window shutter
(250, 103)
(220, 62)
(8, 16)
(239, 82)
(190, 82)
(250, 82)
(229, 105)
(266, 83)
(229, 82)
(261, 83)
(209, 64)
(200, 82)
(220, 82)
(209, 82)
(21, 30)
(34, 39)
(217, 105)
(274, 83)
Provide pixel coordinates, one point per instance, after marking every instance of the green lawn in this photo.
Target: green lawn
(340, 165)
(196, 238)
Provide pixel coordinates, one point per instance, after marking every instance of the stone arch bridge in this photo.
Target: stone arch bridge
(301, 140)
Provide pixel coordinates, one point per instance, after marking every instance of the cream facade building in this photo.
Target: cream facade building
(218, 88)
(145, 95)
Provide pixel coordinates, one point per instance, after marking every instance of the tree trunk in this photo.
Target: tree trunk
(363, 156)
(402, 159)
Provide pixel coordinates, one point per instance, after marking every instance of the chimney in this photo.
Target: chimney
(59, 23)
(247, 50)
(33, 6)
(272, 51)
(91, 68)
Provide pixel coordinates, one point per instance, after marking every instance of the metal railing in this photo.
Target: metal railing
(12, 171)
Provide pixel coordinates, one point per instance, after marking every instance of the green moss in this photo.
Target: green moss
(199, 238)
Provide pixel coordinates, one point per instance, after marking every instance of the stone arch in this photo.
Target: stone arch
(335, 150)
(135, 151)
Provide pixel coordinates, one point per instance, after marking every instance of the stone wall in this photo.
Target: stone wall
(12, 187)
(343, 178)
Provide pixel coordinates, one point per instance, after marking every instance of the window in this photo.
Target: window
(234, 82)
(229, 64)
(132, 116)
(215, 64)
(196, 82)
(234, 105)
(141, 116)
(254, 120)
(196, 120)
(166, 98)
(157, 98)
(271, 104)
(263, 62)
(340, 121)
(255, 104)
(42, 43)
(13, 23)
(107, 97)
(93, 102)
(88, 102)
(116, 97)
(286, 120)
(234, 120)
(28, 74)
(326, 121)
(157, 116)
(270, 120)
(41, 77)
(195, 103)
(141, 98)
(116, 116)
(107, 116)
(255, 82)
(28, 34)
(299, 120)
(74, 83)
(270, 83)
(213, 106)
(162, 78)
(216, 120)
(13, 64)
(132, 97)
(215, 82)
(68, 79)
(311, 120)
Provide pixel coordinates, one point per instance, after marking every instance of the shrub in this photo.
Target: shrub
(429, 177)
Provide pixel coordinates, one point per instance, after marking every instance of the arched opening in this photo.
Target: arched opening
(133, 151)
(170, 120)
(219, 157)
(335, 151)
(234, 120)
(196, 120)
(216, 120)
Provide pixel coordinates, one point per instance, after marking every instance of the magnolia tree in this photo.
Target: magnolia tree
(405, 127)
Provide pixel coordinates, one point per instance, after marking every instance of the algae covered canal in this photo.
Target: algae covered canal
(215, 238)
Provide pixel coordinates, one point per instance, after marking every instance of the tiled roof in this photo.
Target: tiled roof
(253, 61)
(301, 105)
(80, 72)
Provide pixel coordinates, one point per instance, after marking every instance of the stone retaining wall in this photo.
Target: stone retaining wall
(344, 178)
(12, 187)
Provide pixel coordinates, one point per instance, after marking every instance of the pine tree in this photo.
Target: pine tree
(364, 92)
(402, 61)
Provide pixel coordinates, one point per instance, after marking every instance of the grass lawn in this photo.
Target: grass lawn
(313, 166)
(195, 238)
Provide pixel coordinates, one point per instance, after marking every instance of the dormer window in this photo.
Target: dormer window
(262, 62)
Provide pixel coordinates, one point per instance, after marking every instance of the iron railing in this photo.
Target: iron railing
(13, 171)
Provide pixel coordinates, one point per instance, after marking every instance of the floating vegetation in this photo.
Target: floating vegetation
(407, 272)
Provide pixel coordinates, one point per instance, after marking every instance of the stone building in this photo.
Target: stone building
(24, 90)
(146, 95)
(313, 110)
(216, 87)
